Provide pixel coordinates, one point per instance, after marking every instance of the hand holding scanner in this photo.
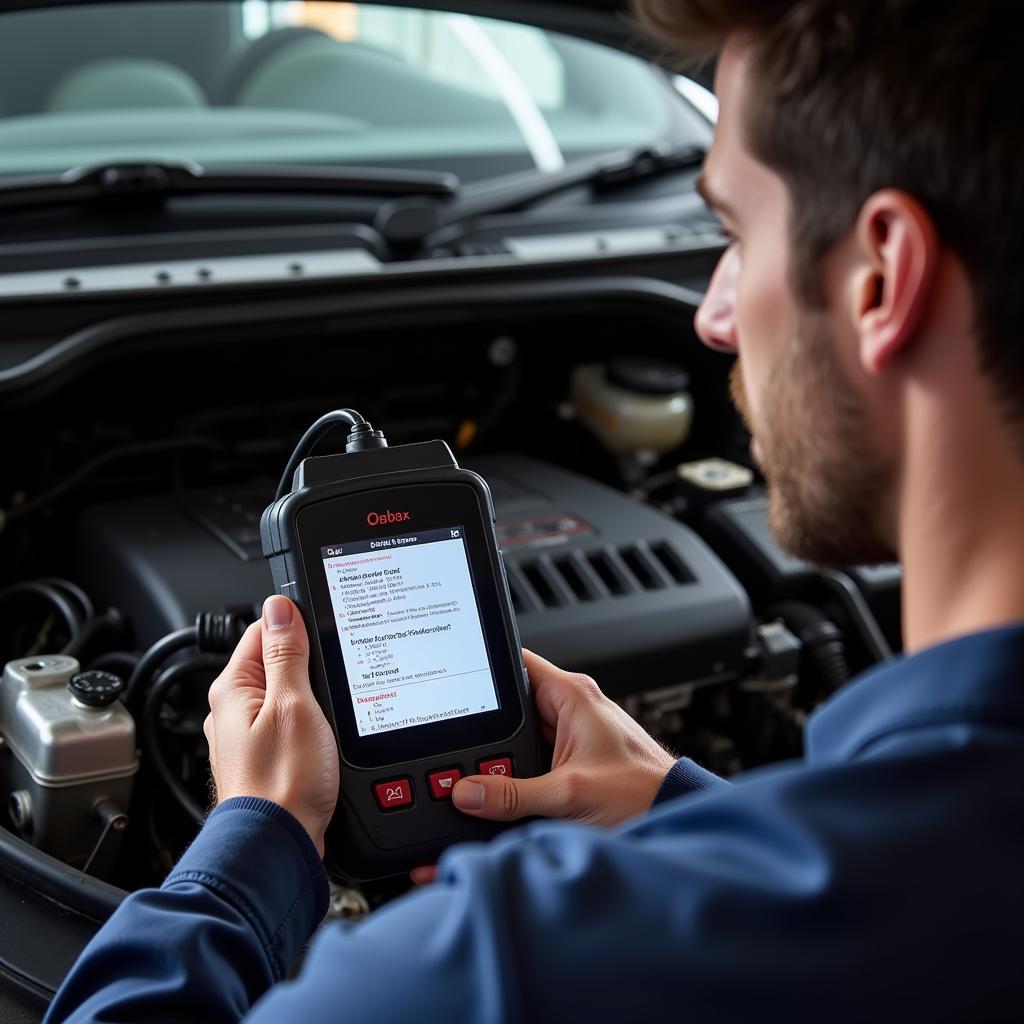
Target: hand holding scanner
(392, 558)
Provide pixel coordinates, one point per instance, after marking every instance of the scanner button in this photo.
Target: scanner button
(442, 782)
(495, 766)
(392, 794)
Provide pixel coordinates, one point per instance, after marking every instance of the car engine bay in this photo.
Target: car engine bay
(146, 430)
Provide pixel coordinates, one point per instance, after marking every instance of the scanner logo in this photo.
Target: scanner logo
(387, 517)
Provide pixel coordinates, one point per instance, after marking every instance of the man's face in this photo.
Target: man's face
(795, 382)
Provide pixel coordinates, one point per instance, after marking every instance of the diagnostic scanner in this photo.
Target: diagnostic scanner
(392, 558)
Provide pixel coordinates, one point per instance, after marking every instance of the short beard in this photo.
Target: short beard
(828, 486)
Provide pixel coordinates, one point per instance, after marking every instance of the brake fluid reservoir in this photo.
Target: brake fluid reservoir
(69, 754)
(634, 404)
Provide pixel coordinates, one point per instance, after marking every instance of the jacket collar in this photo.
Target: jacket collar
(972, 679)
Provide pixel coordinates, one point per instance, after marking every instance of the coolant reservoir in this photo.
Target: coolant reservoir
(634, 404)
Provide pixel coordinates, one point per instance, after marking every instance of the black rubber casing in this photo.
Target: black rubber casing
(330, 495)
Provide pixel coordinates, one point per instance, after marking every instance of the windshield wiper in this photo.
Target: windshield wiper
(408, 223)
(147, 182)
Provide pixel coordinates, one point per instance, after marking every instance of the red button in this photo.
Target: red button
(396, 793)
(442, 782)
(496, 766)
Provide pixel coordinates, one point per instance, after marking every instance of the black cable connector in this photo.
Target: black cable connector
(824, 645)
(361, 437)
(220, 633)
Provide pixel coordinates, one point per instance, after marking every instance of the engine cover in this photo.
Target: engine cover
(601, 583)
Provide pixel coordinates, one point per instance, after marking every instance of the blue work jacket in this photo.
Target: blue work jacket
(880, 878)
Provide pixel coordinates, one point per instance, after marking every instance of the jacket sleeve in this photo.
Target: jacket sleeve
(685, 777)
(226, 925)
(763, 899)
(232, 916)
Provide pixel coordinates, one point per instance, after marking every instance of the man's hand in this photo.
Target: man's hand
(267, 734)
(605, 767)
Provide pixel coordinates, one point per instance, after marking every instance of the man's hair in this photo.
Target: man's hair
(926, 96)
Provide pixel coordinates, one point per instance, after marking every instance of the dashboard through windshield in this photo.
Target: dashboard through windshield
(313, 83)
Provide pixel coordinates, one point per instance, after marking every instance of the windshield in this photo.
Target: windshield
(302, 83)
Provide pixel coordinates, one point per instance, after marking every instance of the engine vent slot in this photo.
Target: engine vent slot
(609, 572)
(672, 563)
(642, 566)
(579, 581)
(543, 586)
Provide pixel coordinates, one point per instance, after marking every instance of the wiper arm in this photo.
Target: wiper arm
(156, 181)
(407, 223)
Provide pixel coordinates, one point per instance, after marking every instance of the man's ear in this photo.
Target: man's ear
(898, 250)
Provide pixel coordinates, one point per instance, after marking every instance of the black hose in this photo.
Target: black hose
(88, 611)
(40, 873)
(212, 634)
(47, 592)
(155, 656)
(821, 639)
(151, 721)
(121, 663)
(111, 621)
(853, 604)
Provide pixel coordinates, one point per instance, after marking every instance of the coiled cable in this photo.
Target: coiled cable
(212, 633)
(179, 673)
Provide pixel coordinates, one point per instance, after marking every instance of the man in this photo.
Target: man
(869, 166)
